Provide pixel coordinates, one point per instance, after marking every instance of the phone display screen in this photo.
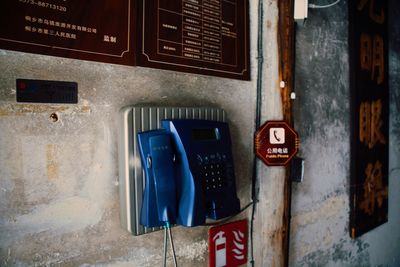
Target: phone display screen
(205, 134)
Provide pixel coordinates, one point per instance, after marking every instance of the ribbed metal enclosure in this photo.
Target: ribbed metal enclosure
(134, 119)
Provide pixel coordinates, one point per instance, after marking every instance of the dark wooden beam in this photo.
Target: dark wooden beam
(286, 41)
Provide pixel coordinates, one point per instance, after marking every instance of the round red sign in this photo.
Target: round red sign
(276, 143)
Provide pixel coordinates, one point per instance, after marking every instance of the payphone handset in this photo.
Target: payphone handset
(159, 197)
(199, 179)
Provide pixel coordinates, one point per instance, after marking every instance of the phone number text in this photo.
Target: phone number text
(44, 5)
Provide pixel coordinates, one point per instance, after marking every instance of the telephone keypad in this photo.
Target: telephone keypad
(213, 171)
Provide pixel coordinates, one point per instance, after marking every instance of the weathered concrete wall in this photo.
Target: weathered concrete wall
(59, 180)
(320, 223)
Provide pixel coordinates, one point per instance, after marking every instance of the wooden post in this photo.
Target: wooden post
(286, 41)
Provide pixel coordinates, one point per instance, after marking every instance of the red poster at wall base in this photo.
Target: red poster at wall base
(227, 244)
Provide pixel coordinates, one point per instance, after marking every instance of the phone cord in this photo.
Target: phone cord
(165, 247)
(172, 245)
(167, 228)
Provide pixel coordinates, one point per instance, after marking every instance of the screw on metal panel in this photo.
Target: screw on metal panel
(54, 117)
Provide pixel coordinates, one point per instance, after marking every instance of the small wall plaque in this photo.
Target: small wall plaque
(39, 91)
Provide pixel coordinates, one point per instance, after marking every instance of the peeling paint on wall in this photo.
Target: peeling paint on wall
(186, 255)
(52, 165)
(26, 109)
(343, 253)
(328, 210)
(194, 251)
(57, 200)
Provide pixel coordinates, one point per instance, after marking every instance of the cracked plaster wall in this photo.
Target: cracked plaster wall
(59, 203)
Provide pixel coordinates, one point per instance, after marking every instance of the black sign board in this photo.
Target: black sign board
(40, 91)
(370, 115)
(99, 30)
(201, 36)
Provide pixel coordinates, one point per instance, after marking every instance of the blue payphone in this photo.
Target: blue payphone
(189, 173)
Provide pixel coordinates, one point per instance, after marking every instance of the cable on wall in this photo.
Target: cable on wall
(167, 229)
(260, 61)
(324, 6)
